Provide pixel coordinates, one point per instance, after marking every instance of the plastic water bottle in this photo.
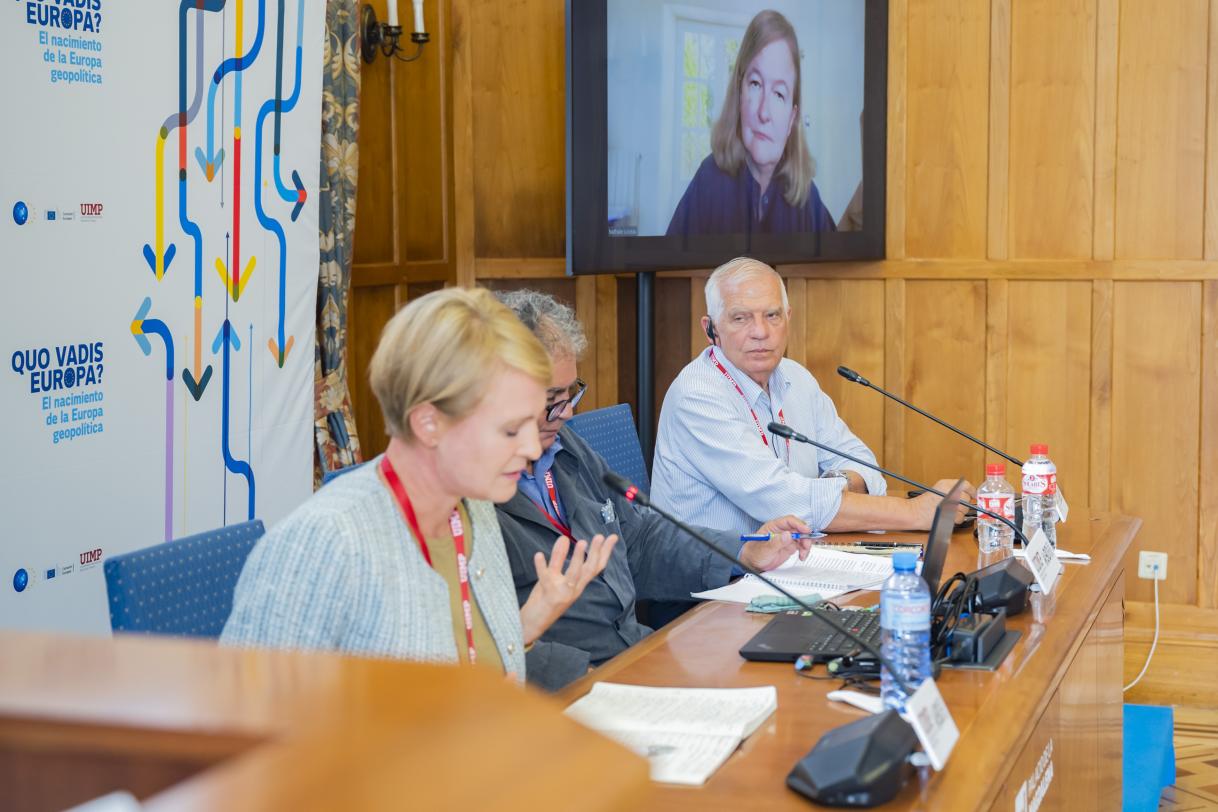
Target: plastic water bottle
(1040, 494)
(997, 496)
(905, 621)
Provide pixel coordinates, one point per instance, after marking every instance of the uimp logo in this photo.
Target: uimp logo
(21, 213)
(21, 579)
(90, 210)
(90, 557)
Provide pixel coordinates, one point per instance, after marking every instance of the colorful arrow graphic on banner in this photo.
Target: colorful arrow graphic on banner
(141, 328)
(279, 346)
(226, 340)
(195, 379)
(298, 195)
(158, 258)
(211, 160)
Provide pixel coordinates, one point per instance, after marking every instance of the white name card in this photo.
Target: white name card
(932, 721)
(1041, 558)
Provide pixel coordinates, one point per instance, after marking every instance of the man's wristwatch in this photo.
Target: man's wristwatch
(836, 473)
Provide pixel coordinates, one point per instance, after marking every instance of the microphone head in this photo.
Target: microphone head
(781, 430)
(850, 375)
(619, 484)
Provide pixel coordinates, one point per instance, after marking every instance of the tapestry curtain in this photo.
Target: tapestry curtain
(337, 445)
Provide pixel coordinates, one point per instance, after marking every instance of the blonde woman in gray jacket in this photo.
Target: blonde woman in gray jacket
(403, 557)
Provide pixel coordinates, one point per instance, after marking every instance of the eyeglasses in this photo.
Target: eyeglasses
(575, 393)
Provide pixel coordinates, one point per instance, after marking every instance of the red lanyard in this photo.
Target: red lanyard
(458, 530)
(765, 440)
(552, 492)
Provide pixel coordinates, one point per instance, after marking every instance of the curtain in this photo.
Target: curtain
(334, 429)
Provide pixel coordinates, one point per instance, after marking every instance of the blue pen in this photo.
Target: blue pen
(766, 536)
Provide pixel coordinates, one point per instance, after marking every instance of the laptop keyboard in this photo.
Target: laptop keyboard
(863, 624)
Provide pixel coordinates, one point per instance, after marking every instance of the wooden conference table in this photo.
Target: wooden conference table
(1051, 714)
(188, 725)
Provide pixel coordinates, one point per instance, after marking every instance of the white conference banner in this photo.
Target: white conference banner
(158, 221)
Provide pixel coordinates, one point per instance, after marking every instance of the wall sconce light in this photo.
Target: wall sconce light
(383, 37)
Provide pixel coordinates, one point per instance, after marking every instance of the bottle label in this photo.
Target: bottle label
(1039, 483)
(905, 613)
(1001, 503)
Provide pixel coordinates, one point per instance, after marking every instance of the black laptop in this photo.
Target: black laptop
(797, 632)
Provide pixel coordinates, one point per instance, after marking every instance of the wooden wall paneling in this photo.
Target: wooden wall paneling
(998, 210)
(944, 332)
(997, 338)
(519, 267)
(1049, 367)
(626, 295)
(410, 292)
(370, 308)
(1155, 426)
(895, 169)
(1179, 270)
(1207, 547)
(1100, 489)
(1210, 249)
(894, 375)
(1161, 117)
(585, 311)
(1103, 236)
(606, 341)
(462, 60)
(519, 166)
(845, 325)
(1052, 132)
(403, 197)
(797, 332)
(423, 132)
(946, 164)
(673, 314)
(375, 238)
(697, 309)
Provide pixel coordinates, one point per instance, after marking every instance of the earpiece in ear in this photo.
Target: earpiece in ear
(710, 331)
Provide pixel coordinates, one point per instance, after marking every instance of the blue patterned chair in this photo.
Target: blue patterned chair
(182, 587)
(611, 433)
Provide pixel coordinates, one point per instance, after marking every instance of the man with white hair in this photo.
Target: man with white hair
(715, 460)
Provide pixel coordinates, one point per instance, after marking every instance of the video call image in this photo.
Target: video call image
(734, 117)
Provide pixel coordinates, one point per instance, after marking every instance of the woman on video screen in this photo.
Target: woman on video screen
(758, 177)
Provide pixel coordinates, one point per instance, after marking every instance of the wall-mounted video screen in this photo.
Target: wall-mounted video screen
(705, 129)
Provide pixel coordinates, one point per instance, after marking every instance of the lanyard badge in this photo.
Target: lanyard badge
(781, 419)
(458, 530)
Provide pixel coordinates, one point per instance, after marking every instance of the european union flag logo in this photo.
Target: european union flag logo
(50, 573)
(50, 214)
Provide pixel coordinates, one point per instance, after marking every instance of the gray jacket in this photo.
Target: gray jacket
(653, 560)
(343, 573)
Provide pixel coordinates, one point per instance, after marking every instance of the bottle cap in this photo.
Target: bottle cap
(905, 562)
(1039, 448)
(996, 469)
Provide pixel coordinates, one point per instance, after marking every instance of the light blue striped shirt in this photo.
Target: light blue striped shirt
(712, 468)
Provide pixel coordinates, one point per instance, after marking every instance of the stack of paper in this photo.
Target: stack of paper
(828, 572)
(685, 733)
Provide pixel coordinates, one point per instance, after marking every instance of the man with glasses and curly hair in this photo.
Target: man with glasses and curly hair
(562, 493)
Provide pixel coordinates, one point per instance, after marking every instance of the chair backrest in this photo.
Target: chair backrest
(611, 433)
(182, 587)
(330, 476)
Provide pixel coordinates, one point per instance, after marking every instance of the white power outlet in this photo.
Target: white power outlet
(1147, 561)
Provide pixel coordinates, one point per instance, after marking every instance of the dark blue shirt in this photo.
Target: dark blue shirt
(716, 202)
